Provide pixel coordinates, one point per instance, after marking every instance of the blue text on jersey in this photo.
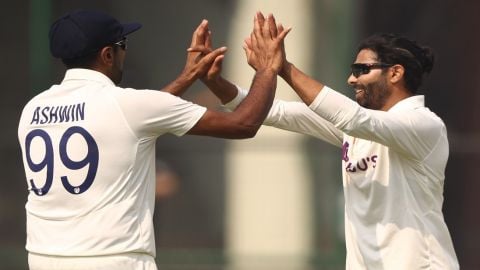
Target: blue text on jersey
(58, 114)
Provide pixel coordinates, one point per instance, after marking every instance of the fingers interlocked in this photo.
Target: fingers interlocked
(201, 57)
(264, 47)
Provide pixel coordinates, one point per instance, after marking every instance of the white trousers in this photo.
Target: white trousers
(127, 261)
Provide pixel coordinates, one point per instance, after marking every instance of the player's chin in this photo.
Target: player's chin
(117, 77)
(359, 94)
(360, 98)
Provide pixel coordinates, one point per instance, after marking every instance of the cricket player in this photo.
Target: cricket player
(394, 151)
(88, 146)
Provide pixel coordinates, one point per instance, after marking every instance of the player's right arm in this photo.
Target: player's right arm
(247, 118)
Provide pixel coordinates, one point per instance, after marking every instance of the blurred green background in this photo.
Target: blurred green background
(191, 212)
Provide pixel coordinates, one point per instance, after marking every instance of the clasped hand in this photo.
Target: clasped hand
(264, 48)
(201, 58)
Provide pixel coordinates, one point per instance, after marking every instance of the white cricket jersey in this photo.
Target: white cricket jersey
(393, 176)
(88, 151)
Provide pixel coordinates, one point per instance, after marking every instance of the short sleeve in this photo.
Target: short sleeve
(153, 113)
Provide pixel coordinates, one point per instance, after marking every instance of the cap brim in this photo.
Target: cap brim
(129, 28)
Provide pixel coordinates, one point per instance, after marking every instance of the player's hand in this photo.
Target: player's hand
(285, 63)
(264, 48)
(204, 46)
(198, 61)
(202, 60)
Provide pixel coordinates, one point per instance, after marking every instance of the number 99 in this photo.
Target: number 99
(90, 160)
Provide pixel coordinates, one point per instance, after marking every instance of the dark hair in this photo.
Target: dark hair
(392, 49)
(86, 61)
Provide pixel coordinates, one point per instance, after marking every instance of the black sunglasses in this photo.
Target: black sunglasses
(122, 43)
(360, 69)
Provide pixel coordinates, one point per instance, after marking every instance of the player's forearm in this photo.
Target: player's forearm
(178, 86)
(306, 87)
(222, 88)
(254, 108)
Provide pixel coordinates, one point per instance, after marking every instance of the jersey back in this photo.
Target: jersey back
(88, 151)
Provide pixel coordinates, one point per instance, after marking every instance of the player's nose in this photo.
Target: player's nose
(351, 80)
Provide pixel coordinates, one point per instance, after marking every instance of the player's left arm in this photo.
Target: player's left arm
(411, 131)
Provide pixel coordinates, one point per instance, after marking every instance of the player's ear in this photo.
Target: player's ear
(107, 55)
(396, 73)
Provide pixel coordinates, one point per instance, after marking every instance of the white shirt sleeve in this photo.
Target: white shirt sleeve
(241, 94)
(413, 131)
(153, 113)
(297, 117)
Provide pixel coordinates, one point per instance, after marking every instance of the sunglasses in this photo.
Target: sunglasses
(360, 69)
(122, 43)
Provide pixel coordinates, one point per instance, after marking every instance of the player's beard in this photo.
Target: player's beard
(117, 67)
(372, 95)
(117, 76)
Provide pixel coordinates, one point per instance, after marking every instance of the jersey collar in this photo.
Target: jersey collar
(80, 74)
(412, 102)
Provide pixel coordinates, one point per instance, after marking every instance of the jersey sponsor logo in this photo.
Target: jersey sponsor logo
(361, 165)
(58, 114)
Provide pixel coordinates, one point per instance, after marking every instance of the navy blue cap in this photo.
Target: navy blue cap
(82, 32)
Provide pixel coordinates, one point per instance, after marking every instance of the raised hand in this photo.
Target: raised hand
(264, 48)
(200, 59)
(204, 46)
(285, 63)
